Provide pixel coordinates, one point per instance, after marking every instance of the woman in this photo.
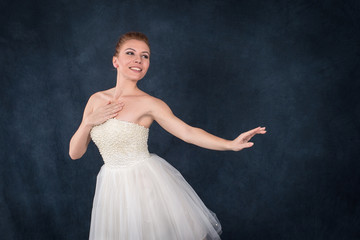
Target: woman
(139, 195)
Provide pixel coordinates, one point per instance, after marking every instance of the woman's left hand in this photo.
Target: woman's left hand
(242, 141)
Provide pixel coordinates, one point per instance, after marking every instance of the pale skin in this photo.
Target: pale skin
(127, 102)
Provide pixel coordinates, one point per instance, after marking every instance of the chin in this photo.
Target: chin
(136, 78)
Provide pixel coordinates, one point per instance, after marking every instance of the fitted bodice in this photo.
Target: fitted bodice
(121, 143)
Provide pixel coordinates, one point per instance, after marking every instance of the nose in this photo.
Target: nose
(138, 59)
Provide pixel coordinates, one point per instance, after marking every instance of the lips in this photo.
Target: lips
(135, 69)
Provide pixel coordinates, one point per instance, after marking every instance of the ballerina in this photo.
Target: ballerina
(138, 194)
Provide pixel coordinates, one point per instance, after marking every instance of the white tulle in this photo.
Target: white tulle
(140, 196)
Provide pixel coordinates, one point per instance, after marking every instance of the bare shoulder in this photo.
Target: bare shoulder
(105, 94)
(154, 102)
(156, 106)
(98, 98)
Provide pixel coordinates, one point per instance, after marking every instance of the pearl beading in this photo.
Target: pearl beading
(120, 143)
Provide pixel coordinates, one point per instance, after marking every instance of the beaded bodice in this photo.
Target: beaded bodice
(121, 143)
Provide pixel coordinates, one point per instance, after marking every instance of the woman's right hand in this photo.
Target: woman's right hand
(103, 113)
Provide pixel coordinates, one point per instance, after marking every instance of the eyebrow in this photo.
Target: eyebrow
(135, 50)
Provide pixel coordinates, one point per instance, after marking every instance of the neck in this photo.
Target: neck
(124, 86)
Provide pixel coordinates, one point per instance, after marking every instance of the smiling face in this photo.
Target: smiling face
(133, 59)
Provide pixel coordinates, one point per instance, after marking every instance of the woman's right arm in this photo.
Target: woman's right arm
(80, 140)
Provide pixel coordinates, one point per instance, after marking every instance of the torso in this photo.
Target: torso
(136, 107)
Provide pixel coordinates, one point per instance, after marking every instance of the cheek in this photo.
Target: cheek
(147, 64)
(124, 62)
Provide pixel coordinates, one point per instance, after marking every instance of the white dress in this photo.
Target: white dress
(140, 196)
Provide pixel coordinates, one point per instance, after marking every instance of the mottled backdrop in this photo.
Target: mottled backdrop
(224, 66)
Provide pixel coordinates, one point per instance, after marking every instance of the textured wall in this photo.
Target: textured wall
(292, 66)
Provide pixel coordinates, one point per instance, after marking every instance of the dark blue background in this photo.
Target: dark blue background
(224, 66)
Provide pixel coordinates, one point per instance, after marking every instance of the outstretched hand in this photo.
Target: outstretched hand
(242, 141)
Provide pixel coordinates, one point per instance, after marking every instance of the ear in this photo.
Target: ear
(115, 62)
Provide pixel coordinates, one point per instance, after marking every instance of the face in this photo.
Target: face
(133, 59)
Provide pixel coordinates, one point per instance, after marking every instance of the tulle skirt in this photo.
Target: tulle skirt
(149, 201)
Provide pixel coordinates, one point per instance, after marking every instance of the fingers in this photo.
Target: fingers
(258, 130)
(246, 136)
(243, 146)
(114, 105)
(248, 144)
(251, 132)
(261, 130)
(113, 113)
(115, 109)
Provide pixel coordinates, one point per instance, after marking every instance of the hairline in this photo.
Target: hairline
(135, 50)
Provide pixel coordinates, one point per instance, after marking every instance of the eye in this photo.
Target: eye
(129, 53)
(145, 56)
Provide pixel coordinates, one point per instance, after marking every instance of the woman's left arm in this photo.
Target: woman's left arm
(163, 115)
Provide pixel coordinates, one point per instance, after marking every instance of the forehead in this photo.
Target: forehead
(138, 45)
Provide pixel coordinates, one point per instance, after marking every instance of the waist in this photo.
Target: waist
(123, 161)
